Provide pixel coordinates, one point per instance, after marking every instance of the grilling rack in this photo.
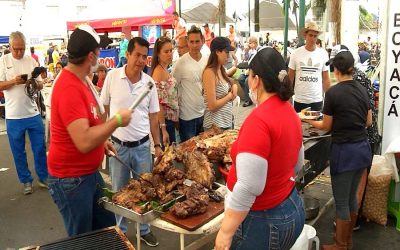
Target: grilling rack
(103, 239)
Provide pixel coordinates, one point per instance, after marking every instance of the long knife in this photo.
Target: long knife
(130, 169)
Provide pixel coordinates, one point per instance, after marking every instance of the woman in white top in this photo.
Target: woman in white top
(166, 88)
(219, 92)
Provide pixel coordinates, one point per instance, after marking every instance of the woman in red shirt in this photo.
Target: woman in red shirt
(263, 208)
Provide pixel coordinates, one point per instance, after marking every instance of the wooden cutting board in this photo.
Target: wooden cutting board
(192, 223)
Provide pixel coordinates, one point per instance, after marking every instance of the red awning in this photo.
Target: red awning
(115, 24)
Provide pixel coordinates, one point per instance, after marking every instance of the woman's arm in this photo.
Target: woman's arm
(252, 175)
(159, 75)
(209, 81)
(231, 71)
(369, 118)
(87, 138)
(325, 124)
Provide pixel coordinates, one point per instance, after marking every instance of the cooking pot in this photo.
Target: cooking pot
(311, 206)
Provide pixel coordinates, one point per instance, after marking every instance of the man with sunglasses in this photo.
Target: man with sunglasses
(22, 113)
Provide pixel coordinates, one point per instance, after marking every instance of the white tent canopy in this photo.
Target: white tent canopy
(206, 12)
(272, 16)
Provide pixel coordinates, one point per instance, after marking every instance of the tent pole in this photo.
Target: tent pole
(302, 16)
(285, 36)
(180, 7)
(249, 19)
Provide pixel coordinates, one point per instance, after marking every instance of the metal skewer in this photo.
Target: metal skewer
(133, 171)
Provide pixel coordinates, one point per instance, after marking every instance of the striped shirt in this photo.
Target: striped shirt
(223, 117)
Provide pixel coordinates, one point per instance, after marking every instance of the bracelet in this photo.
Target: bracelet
(163, 125)
(157, 145)
(118, 118)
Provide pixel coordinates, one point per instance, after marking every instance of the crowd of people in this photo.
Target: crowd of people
(90, 118)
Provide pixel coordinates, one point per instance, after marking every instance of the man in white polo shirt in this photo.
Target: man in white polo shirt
(121, 87)
(22, 113)
(308, 72)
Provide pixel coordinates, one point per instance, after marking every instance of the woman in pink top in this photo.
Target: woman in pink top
(166, 88)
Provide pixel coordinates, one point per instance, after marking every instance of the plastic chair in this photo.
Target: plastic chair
(306, 239)
(393, 205)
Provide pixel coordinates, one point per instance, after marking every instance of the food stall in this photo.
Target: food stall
(181, 194)
(147, 20)
(197, 160)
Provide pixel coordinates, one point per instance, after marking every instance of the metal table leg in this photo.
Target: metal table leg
(182, 241)
(138, 235)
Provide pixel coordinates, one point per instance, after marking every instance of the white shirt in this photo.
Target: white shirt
(18, 104)
(119, 92)
(188, 74)
(309, 66)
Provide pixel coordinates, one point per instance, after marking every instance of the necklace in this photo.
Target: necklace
(163, 67)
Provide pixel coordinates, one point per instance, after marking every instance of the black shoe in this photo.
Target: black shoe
(150, 239)
(248, 103)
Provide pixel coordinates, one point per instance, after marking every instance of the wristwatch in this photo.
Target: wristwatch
(157, 145)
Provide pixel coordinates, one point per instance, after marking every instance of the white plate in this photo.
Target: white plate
(306, 117)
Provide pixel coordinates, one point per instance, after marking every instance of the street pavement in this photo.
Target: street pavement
(35, 220)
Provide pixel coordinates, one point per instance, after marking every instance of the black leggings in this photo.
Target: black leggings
(344, 187)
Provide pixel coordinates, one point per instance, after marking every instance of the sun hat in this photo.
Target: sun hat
(310, 26)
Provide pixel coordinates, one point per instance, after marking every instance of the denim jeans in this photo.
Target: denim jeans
(191, 128)
(122, 61)
(77, 200)
(243, 81)
(316, 106)
(139, 159)
(276, 228)
(344, 188)
(16, 130)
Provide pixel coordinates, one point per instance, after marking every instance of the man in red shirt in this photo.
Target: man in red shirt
(207, 35)
(79, 136)
(34, 56)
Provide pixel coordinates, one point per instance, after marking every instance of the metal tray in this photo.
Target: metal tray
(130, 214)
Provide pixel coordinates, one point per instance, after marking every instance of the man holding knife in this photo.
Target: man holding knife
(121, 87)
(79, 136)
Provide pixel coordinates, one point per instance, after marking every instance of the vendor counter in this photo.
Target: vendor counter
(317, 145)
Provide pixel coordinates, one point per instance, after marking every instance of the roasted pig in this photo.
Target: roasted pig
(198, 168)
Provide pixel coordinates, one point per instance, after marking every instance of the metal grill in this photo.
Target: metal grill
(104, 239)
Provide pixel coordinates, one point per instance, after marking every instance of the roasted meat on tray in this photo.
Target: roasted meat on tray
(133, 193)
(191, 144)
(196, 202)
(198, 168)
(166, 161)
(218, 147)
(155, 187)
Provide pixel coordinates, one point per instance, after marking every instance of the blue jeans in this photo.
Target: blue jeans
(191, 128)
(16, 130)
(77, 200)
(139, 159)
(122, 61)
(243, 81)
(276, 228)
